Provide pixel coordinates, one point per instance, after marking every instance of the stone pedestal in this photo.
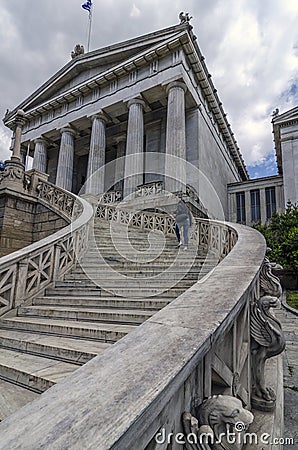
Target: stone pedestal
(175, 138)
(65, 160)
(134, 163)
(95, 177)
(13, 175)
(40, 155)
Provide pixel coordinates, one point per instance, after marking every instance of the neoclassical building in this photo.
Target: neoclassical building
(152, 95)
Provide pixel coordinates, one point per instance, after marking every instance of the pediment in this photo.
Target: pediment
(87, 66)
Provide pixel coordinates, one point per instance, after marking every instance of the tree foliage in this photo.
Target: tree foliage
(281, 235)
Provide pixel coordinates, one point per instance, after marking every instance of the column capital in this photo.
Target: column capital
(136, 101)
(20, 118)
(99, 115)
(40, 140)
(68, 129)
(176, 84)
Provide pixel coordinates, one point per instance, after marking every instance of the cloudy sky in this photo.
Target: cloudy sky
(250, 46)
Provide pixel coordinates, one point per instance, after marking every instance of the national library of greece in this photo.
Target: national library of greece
(139, 333)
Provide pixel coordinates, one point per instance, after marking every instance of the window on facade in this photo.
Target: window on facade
(240, 205)
(270, 202)
(255, 205)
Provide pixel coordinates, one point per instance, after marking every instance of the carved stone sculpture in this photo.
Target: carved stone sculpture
(184, 17)
(77, 51)
(267, 337)
(220, 425)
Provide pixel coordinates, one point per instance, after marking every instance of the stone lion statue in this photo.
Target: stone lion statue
(221, 420)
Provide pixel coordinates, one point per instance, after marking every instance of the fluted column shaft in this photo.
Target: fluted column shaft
(95, 183)
(119, 165)
(134, 166)
(40, 155)
(65, 160)
(175, 138)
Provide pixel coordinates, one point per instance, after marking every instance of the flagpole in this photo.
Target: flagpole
(89, 30)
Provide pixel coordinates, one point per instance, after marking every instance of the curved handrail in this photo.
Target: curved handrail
(26, 272)
(145, 381)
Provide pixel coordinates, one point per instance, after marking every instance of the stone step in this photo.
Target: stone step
(13, 397)
(33, 372)
(104, 332)
(142, 292)
(114, 282)
(152, 303)
(135, 317)
(75, 289)
(76, 351)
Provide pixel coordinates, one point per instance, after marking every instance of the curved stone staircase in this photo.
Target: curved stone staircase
(102, 299)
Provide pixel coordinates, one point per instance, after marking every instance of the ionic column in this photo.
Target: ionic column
(65, 160)
(95, 183)
(19, 123)
(175, 138)
(134, 165)
(40, 155)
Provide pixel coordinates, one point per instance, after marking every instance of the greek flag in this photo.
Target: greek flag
(87, 5)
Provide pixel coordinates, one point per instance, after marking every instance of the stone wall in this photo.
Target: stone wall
(24, 221)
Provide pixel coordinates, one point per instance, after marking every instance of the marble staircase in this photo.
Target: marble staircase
(101, 300)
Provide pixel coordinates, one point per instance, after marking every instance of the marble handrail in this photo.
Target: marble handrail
(28, 271)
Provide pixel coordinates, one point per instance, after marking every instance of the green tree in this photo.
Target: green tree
(281, 235)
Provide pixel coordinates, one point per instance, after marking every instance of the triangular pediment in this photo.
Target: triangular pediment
(87, 66)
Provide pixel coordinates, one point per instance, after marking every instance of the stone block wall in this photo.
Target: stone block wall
(24, 221)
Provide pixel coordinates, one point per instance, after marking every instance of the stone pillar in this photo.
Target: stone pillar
(40, 155)
(247, 208)
(134, 166)
(119, 165)
(20, 122)
(95, 183)
(65, 160)
(263, 205)
(175, 138)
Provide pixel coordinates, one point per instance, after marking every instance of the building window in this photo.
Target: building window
(270, 202)
(240, 204)
(255, 205)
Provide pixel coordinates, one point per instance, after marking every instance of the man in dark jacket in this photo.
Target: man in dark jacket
(183, 220)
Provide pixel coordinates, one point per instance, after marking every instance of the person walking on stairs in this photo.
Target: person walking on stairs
(183, 220)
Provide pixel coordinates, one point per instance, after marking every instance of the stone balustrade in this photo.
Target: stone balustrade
(28, 271)
(219, 238)
(111, 197)
(150, 388)
(187, 371)
(147, 189)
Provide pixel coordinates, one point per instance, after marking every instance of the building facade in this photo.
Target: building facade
(149, 95)
(146, 111)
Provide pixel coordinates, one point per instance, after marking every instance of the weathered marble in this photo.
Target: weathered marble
(65, 161)
(40, 155)
(95, 177)
(133, 172)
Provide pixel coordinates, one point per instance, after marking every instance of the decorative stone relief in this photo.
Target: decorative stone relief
(218, 424)
(267, 337)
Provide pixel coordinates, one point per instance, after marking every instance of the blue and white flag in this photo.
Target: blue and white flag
(87, 5)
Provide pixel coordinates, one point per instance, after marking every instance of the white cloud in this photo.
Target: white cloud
(135, 12)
